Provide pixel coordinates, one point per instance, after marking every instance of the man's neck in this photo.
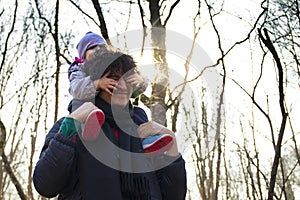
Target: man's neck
(105, 96)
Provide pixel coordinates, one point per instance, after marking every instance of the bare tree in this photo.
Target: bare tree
(35, 44)
(283, 24)
(27, 69)
(157, 11)
(267, 41)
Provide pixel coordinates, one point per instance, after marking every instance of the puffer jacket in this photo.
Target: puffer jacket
(59, 172)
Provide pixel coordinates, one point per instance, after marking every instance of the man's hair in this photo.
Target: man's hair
(108, 60)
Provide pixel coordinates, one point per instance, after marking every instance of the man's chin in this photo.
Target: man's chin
(119, 102)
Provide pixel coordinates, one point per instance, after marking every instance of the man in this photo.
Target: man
(114, 166)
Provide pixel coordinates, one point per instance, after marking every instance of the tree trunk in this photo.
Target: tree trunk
(157, 101)
(7, 166)
(268, 43)
(158, 36)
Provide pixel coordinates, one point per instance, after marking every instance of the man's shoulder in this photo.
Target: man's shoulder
(139, 115)
(138, 109)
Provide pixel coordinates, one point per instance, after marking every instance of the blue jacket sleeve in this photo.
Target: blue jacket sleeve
(54, 171)
(172, 178)
(139, 116)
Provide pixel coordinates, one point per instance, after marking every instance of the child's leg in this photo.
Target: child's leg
(92, 124)
(74, 104)
(157, 144)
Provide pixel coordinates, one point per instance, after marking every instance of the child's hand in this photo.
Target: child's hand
(105, 83)
(135, 79)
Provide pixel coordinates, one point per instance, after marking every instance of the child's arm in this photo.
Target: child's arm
(81, 85)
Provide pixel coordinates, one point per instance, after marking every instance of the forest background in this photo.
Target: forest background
(224, 75)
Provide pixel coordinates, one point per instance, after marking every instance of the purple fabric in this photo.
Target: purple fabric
(89, 40)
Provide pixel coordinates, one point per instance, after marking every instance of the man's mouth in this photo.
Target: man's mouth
(121, 92)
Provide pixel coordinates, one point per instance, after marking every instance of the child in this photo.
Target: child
(82, 88)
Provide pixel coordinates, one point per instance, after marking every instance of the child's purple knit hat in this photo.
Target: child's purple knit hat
(89, 40)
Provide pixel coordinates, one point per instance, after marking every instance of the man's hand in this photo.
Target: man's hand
(153, 128)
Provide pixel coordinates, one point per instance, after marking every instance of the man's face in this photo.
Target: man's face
(122, 93)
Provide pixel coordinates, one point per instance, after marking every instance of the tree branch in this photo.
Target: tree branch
(170, 12)
(103, 27)
(7, 164)
(268, 43)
